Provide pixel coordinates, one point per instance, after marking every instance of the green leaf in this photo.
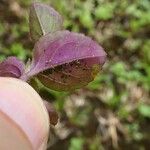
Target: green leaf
(76, 144)
(145, 51)
(43, 19)
(18, 50)
(144, 110)
(105, 11)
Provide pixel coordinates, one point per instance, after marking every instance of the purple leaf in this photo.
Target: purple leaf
(11, 67)
(66, 60)
(43, 19)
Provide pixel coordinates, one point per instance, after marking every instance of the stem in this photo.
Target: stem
(25, 77)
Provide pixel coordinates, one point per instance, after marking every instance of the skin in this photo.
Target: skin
(24, 120)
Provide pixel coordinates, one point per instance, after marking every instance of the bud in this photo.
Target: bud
(12, 67)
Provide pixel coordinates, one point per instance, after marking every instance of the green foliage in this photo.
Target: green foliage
(146, 51)
(18, 50)
(80, 117)
(76, 143)
(105, 11)
(96, 84)
(134, 131)
(144, 110)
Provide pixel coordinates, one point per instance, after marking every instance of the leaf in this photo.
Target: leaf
(66, 60)
(11, 67)
(64, 47)
(105, 11)
(144, 110)
(43, 19)
(76, 143)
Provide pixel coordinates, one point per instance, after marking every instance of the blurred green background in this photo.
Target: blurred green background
(113, 112)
